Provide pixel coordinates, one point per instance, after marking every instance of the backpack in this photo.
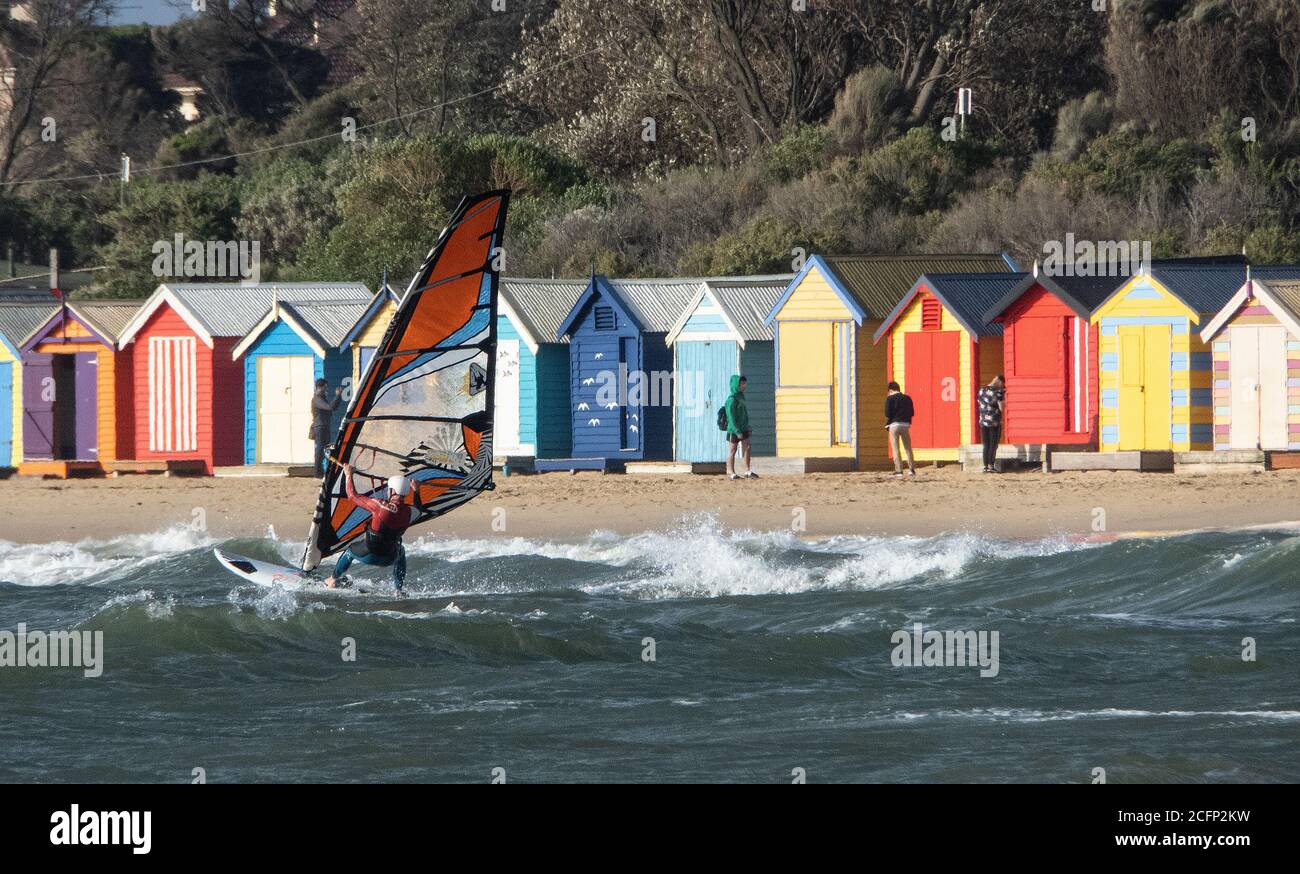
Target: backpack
(722, 418)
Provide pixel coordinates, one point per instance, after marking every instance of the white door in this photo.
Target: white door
(506, 415)
(1272, 388)
(1257, 374)
(284, 390)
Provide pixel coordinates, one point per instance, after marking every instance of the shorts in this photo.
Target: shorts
(736, 438)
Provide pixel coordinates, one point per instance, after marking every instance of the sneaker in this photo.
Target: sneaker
(913, 472)
(751, 475)
(735, 476)
(898, 473)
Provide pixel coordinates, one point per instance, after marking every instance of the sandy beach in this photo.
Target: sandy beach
(569, 507)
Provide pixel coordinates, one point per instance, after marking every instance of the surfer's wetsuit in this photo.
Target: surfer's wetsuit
(381, 545)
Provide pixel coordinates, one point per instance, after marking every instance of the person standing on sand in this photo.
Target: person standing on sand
(898, 422)
(992, 403)
(322, 410)
(738, 429)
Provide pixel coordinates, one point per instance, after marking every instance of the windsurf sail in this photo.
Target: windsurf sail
(424, 405)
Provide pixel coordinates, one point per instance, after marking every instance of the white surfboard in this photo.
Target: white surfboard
(264, 573)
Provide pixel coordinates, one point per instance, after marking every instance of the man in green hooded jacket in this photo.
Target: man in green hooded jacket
(738, 429)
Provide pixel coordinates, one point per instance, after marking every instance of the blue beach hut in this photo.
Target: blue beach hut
(722, 332)
(620, 371)
(294, 344)
(532, 385)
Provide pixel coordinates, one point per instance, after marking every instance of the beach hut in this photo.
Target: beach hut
(19, 319)
(77, 389)
(189, 390)
(1049, 358)
(940, 349)
(294, 344)
(363, 338)
(620, 371)
(1255, 348)
(1154, 368)
(722, 332)
(830, 375)
(532, 416)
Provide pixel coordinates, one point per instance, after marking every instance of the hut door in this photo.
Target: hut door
(284, 393)
(931, 364)
(703, 377)
(173, 394)
(75, 395)
(629, 360)
(1145, 387)
(6, 414)
(1273, 427)
(1258, 384)
(38, 406)
(85, 369)
(505, 426)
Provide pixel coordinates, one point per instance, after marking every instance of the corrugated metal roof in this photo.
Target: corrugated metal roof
(970, 295)
(231, 309)
(1090, 291)
(542, 304)
(1287, 292)
(1206, 289)
(747, 300)
(329, 320)
(656, 303)
(879, 282)
(19, 320)
(1275, 271)
(23, 293)
(109, 317)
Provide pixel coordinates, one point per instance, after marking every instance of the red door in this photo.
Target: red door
(931, 363)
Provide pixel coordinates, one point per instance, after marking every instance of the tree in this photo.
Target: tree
(37, 47)
(627, 84)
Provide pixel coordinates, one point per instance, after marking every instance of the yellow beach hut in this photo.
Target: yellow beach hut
(363, 339)
(1155, 370)
(1255, 344)
(830, 376)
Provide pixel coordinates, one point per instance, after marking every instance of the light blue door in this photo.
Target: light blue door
(6, 413)
(703, 382)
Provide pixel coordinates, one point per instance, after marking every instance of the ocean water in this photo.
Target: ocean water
(772, 658)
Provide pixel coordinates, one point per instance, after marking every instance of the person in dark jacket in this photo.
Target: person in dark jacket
(992, 404)
(898, 421)
(322, 410)
(738, 429)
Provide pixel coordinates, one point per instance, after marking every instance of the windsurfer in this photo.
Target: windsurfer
(381, 545)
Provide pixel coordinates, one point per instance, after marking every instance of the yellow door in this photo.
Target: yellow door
(1144, 387)
(1157, 345)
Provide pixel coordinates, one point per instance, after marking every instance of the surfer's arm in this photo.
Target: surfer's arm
(368, 504)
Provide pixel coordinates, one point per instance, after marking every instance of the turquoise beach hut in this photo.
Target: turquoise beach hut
(532, 386)
(722, 332)
(293, 345)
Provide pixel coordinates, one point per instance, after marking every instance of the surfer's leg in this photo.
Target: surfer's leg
(340, 568)
(399, 567)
